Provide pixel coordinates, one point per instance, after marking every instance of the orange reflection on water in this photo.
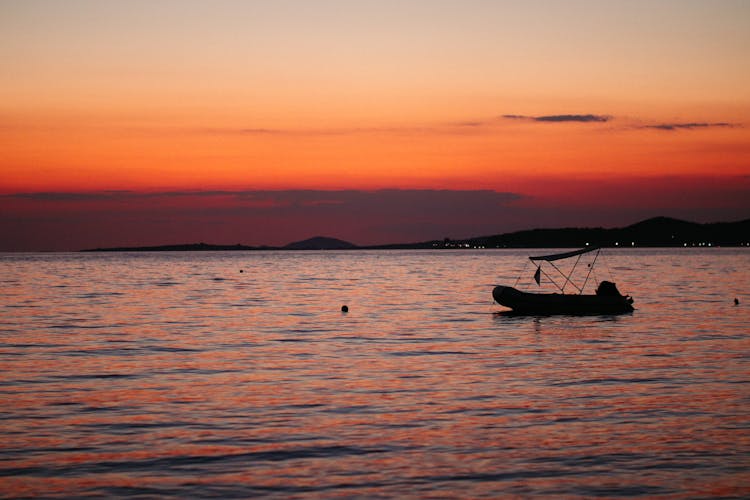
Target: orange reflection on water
(194, 377)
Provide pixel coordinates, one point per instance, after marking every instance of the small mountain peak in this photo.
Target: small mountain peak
(320, 243)
(660, 222)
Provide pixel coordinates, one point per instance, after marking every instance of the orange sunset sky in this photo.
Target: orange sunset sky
(263, 122)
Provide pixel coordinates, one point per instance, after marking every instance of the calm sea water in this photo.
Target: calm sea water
(235, 374)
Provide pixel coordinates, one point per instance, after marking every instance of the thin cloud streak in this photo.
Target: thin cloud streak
(323, 132)
(594, 118)
(375, 201)
(687, 126)
(66, 196)
(586, 118)
(109, 195)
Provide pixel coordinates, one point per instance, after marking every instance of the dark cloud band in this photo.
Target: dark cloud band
(587, 118)
(687, 126)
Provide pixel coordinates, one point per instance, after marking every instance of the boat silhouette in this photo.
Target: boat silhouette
(606, 300)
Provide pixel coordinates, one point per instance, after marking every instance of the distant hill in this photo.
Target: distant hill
(655, 232)
(320, 243)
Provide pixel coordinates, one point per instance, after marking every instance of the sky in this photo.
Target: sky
(126, 123)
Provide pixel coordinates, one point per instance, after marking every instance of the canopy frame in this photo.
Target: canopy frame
(566, 255)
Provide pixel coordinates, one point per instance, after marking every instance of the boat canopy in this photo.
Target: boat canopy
(565, 255)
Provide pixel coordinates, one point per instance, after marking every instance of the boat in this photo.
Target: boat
(607, 299)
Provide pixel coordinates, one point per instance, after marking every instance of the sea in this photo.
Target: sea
(237, 375)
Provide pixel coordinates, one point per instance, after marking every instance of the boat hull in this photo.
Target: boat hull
(556, 303)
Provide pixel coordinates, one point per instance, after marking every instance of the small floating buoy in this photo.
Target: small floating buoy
(345, 309)
(736, 301)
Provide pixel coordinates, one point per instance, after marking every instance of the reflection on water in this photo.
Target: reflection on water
(178, 375)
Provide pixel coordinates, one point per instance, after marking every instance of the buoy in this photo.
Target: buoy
(344, 309)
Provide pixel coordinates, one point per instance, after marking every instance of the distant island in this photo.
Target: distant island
(315, 243)
(654, 232)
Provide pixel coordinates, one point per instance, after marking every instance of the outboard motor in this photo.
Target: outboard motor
(608, 289)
